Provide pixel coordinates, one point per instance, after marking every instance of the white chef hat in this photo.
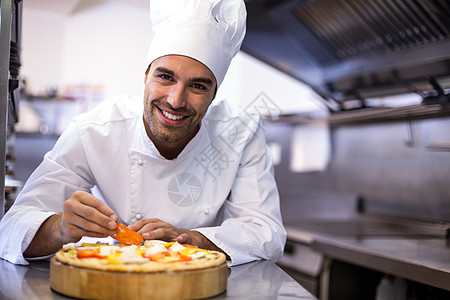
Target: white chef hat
(210, 31)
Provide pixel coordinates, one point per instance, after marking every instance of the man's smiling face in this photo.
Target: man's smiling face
(178, 92)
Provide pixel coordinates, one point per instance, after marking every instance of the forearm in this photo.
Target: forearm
(47, 239)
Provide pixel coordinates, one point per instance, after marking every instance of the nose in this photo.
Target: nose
(177, 96)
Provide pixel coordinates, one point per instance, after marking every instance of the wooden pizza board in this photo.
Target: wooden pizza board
(96, 284)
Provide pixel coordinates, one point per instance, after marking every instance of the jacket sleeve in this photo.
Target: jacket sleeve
(62, 171)
(252, 228)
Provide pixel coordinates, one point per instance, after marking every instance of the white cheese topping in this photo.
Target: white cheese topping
(70, 246)
(129, 251)
(149, 243)
(177, 247)
(155, 250)
(108, 250)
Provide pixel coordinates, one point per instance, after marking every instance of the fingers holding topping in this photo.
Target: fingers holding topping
(86, 215)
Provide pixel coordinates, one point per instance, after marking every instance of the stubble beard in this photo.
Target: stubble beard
(165, 133)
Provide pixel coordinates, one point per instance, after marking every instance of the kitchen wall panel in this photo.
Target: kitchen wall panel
(399, 168)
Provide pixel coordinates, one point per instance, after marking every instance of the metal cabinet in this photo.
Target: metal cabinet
(10, 40)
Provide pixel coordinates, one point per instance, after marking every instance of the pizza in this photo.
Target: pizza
(135, 255)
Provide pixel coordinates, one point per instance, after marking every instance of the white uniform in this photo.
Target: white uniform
(221, 184)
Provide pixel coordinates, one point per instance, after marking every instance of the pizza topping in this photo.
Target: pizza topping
(108, 250)
(176, 247)
(154, 255)
(89, 254)
(113, 259)
(157, 257)
(88, 247)
(93, 244)
(129, 251)
(149, 243)
(192, 250)
(169, 257)
(126, 236)
(68, 246)
(156, 249)
(197, 255)
(194, 253)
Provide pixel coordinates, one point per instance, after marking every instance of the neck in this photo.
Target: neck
(170, 150)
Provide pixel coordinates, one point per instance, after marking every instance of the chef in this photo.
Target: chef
(179, 165)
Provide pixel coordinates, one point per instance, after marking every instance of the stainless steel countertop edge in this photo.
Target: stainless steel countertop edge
(423, 260)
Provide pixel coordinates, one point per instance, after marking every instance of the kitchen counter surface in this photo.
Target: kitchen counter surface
(255, 280)
(421, 259)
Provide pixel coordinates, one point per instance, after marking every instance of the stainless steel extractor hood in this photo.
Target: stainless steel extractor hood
(354, 49)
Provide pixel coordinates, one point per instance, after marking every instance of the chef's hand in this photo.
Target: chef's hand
(86, 215)
(155, 229)
(83, 215)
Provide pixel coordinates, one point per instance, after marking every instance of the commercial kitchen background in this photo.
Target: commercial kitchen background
(77, 53)
(334, 173)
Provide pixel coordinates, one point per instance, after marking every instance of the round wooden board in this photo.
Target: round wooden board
(96, 284)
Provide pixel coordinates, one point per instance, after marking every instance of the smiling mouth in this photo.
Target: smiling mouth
(170, 116)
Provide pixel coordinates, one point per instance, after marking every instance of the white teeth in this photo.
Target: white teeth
(171, 117)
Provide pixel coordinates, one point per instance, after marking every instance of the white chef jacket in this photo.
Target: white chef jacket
(221, 184)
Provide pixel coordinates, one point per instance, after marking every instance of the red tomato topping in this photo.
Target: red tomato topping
(89, 254)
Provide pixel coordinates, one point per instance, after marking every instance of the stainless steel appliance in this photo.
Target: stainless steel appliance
(10, 42)
(381, 206)
(354, 49)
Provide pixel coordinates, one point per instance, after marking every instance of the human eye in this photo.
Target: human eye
(198, 86)
(165, 77)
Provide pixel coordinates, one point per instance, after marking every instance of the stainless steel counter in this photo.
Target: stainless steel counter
(256, 280)
(331, 228)
(424, 260)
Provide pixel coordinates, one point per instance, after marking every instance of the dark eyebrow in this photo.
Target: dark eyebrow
(164, 70)
(204, 80)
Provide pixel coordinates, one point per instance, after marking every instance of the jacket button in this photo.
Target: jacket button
(139, 216)
(206, 211)
(140, 163)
